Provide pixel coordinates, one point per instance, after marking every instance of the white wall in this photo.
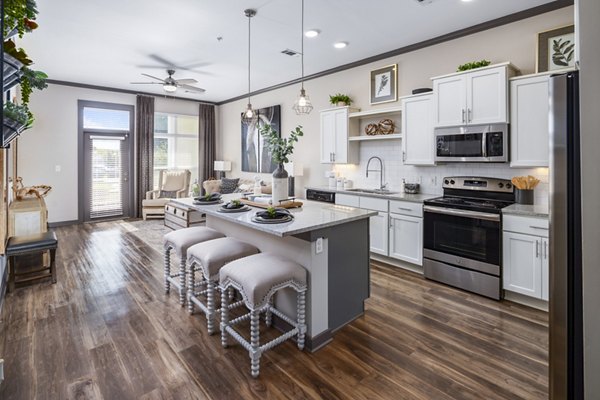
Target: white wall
(589, 55)
(52, 142)
(515, 42)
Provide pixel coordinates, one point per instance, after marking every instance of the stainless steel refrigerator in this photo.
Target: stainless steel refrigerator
(566, 312)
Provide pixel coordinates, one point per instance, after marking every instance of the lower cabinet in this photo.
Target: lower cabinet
(398, 233)
(406, 238)
(525, 257)
(379, 233)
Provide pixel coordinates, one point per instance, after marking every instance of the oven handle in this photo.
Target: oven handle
(463, 213)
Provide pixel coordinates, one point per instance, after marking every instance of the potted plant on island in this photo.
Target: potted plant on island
(340, 100)
(281, 149)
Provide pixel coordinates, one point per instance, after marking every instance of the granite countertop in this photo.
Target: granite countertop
(414, 198)
(527, 210)
(311, 216)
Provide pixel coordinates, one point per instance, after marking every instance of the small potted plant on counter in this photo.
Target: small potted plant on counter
(281, 149)
(340, 100)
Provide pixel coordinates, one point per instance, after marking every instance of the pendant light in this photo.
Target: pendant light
(302, 105)
(249, 116)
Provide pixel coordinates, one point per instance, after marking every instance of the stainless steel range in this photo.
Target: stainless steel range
(463, 234)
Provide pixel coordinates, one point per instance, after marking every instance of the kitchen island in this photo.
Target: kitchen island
(330, 241)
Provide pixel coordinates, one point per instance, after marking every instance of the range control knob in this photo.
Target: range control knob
(508, 185)
(446, 181)
(501, 185)
(452, 181)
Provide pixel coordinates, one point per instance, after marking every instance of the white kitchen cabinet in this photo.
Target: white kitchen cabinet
(406, 238)
(472, 97)
(522, 264)
(529, 131)
(335, 148)
(379, 232)
(417, 128)
(347, 200)
(525, 256)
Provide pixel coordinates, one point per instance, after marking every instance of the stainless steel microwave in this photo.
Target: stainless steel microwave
(475, 143)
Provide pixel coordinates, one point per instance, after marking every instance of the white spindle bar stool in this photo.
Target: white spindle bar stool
(258, 278)
(208, 258)
(180, 240)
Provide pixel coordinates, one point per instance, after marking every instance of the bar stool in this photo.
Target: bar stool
(258, 278)
(180, 240)
(208, 258)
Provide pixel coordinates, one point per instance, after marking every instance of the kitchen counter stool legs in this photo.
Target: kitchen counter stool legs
(258, 278)
(208, 258)
(180, 240)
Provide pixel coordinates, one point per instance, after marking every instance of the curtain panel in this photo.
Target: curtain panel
(144, 148)
(206, 143)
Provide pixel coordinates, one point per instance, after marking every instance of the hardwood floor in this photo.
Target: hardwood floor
(107, 331)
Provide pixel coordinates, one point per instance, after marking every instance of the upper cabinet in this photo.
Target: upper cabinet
(529, 108)
(417, 128)
(335, 148)
(472, 97)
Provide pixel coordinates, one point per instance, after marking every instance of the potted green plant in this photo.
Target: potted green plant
(16, 119)
(340, 100)
(281, 149)
(473, 65)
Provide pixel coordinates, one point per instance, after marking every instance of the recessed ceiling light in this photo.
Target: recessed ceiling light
(311, 33)
(466, 1)
(340, 45)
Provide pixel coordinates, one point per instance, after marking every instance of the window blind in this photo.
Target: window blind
(107, 183)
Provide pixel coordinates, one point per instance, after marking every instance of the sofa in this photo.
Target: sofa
(171, 184)
(231, 186)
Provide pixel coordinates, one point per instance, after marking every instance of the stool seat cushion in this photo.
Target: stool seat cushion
(24, 244)
(155, 202)
(182, 239)
(257, 277)
(213, 255)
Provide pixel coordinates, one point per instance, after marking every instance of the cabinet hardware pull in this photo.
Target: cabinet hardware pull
(546, 250)
(537, 249)
(469, 115)
(538, 227)
(404, 209)
(463, 115)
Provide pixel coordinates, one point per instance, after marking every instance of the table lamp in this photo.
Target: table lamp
(222, 167)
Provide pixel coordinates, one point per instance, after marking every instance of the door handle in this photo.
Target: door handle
(537, 249)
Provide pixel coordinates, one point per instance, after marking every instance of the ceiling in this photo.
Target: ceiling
(111, 42)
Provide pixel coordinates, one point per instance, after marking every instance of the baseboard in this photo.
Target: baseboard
(62, 223)
(397, 263)
(526, 300)
(311, 344)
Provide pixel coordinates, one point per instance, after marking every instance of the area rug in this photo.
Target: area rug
(150, 231)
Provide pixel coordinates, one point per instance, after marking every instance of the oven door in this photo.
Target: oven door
(468, 239)
(484, 143)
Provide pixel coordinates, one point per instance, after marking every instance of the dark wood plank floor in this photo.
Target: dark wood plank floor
(107, 331)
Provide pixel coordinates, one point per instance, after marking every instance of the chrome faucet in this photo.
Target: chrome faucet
(381, 170)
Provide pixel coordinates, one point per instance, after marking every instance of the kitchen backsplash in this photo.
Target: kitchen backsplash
(430, 178)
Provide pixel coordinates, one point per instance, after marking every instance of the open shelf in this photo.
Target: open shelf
(375, 137)
(375, 112)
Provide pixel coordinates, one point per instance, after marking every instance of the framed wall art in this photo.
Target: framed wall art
(384, 84)
(256, 156)
(556, 49)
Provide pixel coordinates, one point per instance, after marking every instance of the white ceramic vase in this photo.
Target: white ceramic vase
(279, 185)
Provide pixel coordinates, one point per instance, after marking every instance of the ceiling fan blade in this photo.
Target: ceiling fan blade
(185, 81)
(146, 83)
(153, 77)
(162, 60)
(192, 89)
(195, 65)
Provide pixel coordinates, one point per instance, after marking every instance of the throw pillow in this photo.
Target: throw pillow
(229, 185)
(167, 194)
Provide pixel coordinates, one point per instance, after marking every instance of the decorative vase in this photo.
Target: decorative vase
(280, 185)
(341, 104)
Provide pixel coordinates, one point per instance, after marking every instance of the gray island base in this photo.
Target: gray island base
(330, 241)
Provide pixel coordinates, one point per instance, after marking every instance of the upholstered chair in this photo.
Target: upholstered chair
(172, 184)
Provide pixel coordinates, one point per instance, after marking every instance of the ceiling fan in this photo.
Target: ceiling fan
(170, 85)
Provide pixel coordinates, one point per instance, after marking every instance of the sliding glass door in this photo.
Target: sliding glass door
(106, 190)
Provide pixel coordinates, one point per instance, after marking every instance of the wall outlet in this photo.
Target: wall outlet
(319, 246)
(57, 168)
(433, 180)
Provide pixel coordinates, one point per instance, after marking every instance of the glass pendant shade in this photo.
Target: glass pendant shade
(303, 104)
(170, 88)
(249, 116)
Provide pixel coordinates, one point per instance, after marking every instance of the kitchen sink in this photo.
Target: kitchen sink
(371, 191)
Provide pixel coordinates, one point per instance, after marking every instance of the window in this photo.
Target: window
(175, 143)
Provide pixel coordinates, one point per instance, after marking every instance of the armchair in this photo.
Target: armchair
(171, 184)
